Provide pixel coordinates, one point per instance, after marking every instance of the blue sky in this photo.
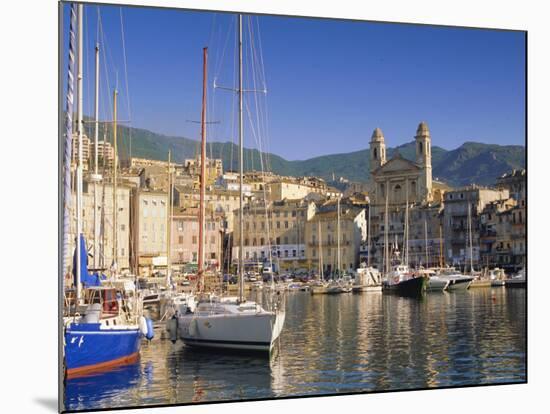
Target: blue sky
(330, 82)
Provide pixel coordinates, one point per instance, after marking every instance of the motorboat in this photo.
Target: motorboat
(226, 322)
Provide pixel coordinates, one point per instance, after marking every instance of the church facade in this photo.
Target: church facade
(396, 182)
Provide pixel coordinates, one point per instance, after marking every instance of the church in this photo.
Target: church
(398, 181)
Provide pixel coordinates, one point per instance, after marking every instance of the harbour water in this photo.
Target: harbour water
(335, 344)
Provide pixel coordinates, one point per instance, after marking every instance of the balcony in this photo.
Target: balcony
(332, 243)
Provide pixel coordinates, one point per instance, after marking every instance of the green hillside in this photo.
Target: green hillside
(470, 163)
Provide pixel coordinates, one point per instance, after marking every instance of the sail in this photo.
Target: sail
(68, 141)
(86, 279)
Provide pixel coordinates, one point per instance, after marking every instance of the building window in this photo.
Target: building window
(286, 224)
(180, 239)
(194, 239)
(286, 239)
(246, 242)
(293, 253)
(262, 240)
(375, 154)
(286, 253)
(278, 240)
(420, 147)
(314, 253)
(278, 224)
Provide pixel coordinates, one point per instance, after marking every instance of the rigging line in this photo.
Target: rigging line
(126, 84)
(220, 62)
(107, 83)
(252, 65)
(256, 78)
(233, 130)
(87, 64)
(258, 101)
(266, 206)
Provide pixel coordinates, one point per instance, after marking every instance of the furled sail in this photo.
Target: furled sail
(68, 141)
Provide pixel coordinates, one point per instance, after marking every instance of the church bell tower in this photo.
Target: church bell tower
(377, 150)
(424, 159)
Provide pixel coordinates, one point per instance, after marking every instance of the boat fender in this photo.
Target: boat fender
(150, 330)
(193, 328)
(173, 328)
(143, 325)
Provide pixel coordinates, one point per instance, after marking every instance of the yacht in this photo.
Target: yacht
(401, 280)
(229, 323)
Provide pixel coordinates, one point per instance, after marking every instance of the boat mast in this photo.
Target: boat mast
(440, 248)
(79, 158)
(169, 224)
(338, 234)
(368, 238)
(96, 177)
(115, 201)
(203, 172)
(470, 238)
(426, 241)
(406, 238)
(386, 247)
(320, 251)
(241, 270)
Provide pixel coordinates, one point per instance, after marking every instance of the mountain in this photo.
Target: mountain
(472, 162)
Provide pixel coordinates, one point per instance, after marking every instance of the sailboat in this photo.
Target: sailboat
(231, 322)
(319, 285)
(341, 284)
(400, 279)
(103, 325)
(367, 278)
(435, 282)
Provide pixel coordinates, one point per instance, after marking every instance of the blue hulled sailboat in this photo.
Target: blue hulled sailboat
(102, 323)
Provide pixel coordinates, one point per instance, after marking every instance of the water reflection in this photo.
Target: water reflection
(332, 344)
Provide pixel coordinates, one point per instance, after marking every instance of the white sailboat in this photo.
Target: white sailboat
(232, 322)
(319, 286)
(435, 283)
(367, 278)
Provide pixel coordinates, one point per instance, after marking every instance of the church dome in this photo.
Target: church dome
(422, 130)
(377, 135)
